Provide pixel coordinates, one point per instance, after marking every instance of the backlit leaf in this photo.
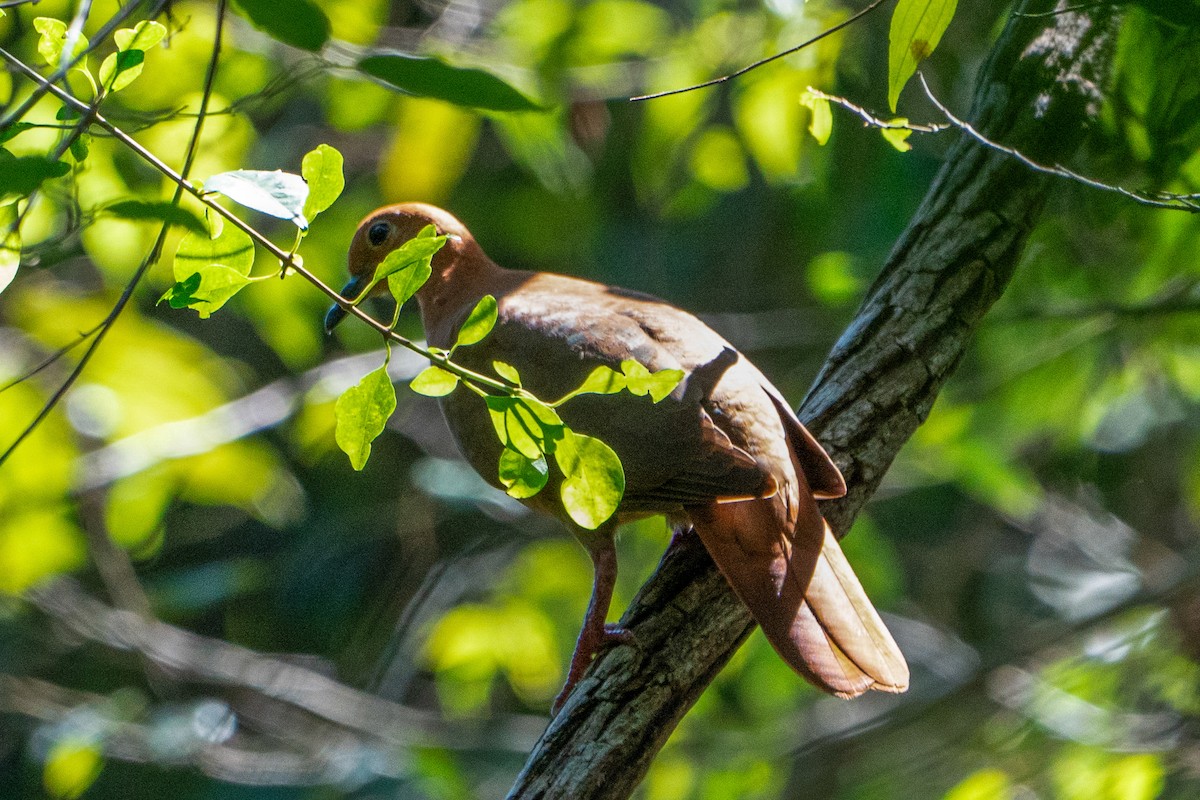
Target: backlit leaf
(322, 171)
(821, 123)
(408, 266)
(280, 194)
(361, 414)
(21, 176)
(428, 76)
(897, 137)
(160, 210)
(120, 69)
(72, 765)
(434, 382)
(54, 38)
(917, 27)
(640, 381)
(593, 480)
(522, 477)
(479, 322)
(528, 426)
(508, 372)
(602, 380)
(206, 290)
(143, 36)
(300, 23)
(230, 248)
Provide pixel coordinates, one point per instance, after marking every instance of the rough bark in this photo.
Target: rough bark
(1037, 93)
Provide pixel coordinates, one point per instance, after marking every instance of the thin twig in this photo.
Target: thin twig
(830, 31)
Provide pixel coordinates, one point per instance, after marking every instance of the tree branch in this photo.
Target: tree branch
(1038, 92)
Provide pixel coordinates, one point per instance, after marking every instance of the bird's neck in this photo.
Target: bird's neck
(462, 274)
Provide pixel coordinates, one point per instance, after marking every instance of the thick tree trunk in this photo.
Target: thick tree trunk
(1038, 92)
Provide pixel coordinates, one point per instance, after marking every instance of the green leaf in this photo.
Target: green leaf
(897, 137)
(229, 248)
(640, 381)
(280, 194)
(479, 322)
(160, 210)
(54, 39)
(593, 480)
(21, 176)
(143, 36)
(408, 266)
(434, 382)
(522, 477)
(13, 129)
(361, 414)
(428, 76)
(322, 171)
(10, 245)
(821, 123)
(81, 147)
(121, 68)
(508, 372)
(206, 290)
(72, 765)
(300, 23)
(602, 380)
(523, 424)
(917, 27)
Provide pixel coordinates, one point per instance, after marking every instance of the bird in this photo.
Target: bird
(723, 453)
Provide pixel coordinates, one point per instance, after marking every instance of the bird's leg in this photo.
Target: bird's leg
(594, 633)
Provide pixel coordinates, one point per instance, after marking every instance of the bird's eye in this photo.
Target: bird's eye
(377, 234)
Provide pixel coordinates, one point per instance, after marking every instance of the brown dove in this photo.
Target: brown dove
(723, 452)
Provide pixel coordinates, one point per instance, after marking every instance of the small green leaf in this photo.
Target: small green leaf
(54, 39)
(300, 23)
(897, 137)
(408, 266)
(280, 194)
(121, 68)
(13, 129)
(522, 477)
(361, 414)
(10, 245)
(431, 77)
(229, 248)
(917, 27)
(322, 171)
(81, 147)
(479, 322)
(593, 480)
(821, 123)
(523, 424)
(160, 210)
(602, 380)
(640, 381)
(72, 765)
(508, 372)
(21, 176)
(143, 36)
(434, 382)
(206, 290)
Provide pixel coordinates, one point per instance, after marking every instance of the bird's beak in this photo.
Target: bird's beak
(336, 313)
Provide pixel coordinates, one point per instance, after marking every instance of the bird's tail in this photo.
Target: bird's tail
(804, 594)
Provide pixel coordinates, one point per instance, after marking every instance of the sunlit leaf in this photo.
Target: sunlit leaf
(54, 38)
(322, 171)
(917, 27)
(593, 480)
(821, 123)
(230, 248)
(521, 476)
(986, 784)
(479, 322)
(434, 382)
(528, 426)
(361, 414)
(143, 36)
(300, 23)
(37, 544)
(81, 147)
(640, 381)
(21, 176)
(120, 69)
(898, 137)
(72, 765)
(428, 76)
(408, 266)
(280, 194)
(206, 290)
(160, 210)
(508, 372)
(10, 245)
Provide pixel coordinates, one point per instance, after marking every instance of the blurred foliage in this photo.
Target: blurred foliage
(1035, 544)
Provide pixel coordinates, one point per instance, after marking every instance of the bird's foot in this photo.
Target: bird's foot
(589, 645)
